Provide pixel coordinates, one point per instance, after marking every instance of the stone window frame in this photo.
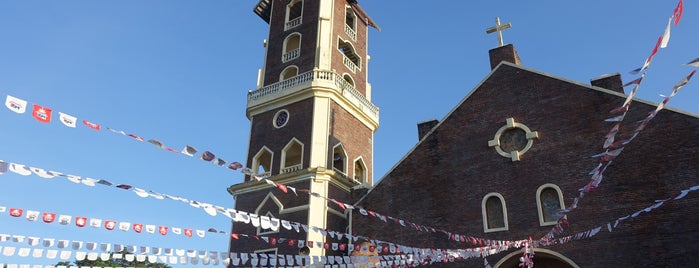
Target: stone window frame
(484, 211)
(290, 23)
(344, 159)
(256, 161)
(269, 198)
(510, 124)
(282, 74)
(287, 147)
(539, 205)
(274, 119)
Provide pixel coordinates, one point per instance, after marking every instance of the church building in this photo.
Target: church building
(498, 168)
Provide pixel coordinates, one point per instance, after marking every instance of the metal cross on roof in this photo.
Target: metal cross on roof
(498, 28)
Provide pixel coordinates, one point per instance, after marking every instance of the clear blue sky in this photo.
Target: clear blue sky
(179, 71)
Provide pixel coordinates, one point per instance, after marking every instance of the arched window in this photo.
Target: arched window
(289, 72)
(348, 79)
(292, 47)
(350, 59)
(549, 201)
(350, 23)
(359, 171)
(293, 14)
(262, 162)
(494, 213)
(339, 159)
(292, 156)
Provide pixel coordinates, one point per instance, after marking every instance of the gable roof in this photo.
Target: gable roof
(491, 79)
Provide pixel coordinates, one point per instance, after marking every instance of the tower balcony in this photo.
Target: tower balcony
(315, 81)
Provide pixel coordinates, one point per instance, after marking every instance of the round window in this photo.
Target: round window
(281, 118)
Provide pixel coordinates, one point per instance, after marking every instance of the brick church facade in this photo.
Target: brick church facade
(514, 151)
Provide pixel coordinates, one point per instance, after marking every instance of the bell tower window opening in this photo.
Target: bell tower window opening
(292, 47)
(350, 23)
(262, 162)
(359, 171)
(549, 201)
(494, 213)
(349, 80)
(293, 14)
(350, 59)
(292, 156)
(289, 72)
(339, 160)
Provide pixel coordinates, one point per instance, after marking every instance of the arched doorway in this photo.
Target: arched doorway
(543, 258)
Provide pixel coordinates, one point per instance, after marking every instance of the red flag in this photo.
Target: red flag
(91, 125)
(16, 212)
(42, 114)
(282, 187)
(188, 232)
(48, 217)
(80, 221)
(138, 227)
(109, 224)
(678, 12)
(162, 230)
(207, 156)
(235, 236)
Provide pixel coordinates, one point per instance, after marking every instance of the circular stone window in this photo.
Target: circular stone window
(281, 118)
(513, 139)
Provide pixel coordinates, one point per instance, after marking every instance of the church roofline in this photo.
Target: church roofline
(493, 71)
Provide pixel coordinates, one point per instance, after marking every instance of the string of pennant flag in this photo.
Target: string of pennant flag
(264, 222)
(613, 147)
(45, 114)
(392, 254)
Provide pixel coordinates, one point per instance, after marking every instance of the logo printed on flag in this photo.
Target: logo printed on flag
(32, 215)
(137, 227)
(41, 114)
(150, 228)
(48, 217)
(68, 120)
(16, 212)
(80, 221)
(124, 226)
(109, 224)
(162, 230)
(16, 105)
(96, 223)
(64, 219)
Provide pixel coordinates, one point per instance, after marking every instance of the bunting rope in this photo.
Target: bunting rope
(45, 115)
(614, 148)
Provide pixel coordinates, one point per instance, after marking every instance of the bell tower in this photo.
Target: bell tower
(312, 122)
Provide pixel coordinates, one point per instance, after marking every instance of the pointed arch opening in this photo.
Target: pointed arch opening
(494, 213)
(360, 171)
(262, 162)
(294, 11)
(339, 160)
(291, 47)
(549, 202)
(292, 156)
(289, 72)
(270, 207)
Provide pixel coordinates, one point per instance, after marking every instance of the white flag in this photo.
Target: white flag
(666, 34)
(68, 120)
(16, 105)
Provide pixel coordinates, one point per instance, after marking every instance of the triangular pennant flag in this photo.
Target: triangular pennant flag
(68, 120)
(15, 104)
(666, 34)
